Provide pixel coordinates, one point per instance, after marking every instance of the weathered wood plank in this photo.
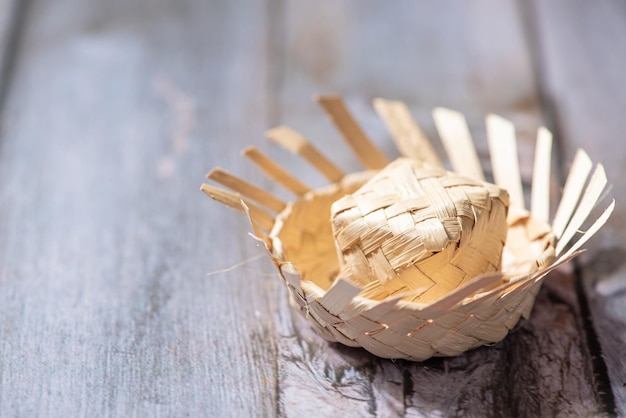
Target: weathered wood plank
(116, 111)
(11, 21)
(583, 56)
(469, 58)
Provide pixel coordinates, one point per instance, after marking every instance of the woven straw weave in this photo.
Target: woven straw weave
(410, 224)
(406, 259)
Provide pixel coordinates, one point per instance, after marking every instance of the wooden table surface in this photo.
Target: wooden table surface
(117, 296)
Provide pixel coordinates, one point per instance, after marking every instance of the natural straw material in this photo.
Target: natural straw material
(406, 259)
(419, 231)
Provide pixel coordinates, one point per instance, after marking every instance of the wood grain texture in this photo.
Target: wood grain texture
(434, 54)
(106, 307)
(115, 112)
(583, 56)
(12, 15)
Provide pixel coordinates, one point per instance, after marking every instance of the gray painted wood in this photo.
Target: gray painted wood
(117, 109)
(11, 17)
(584, 56)
(111, 122)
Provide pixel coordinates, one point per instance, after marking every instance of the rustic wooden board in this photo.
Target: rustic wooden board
(117, 109)
(434, 54)
(583, 55)
(11, 17)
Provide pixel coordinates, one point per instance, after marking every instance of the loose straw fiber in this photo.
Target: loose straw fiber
(405, 259)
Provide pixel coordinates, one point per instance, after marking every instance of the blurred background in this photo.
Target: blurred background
(113, 111)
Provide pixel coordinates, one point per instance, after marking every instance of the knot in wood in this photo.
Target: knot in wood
(419, 230)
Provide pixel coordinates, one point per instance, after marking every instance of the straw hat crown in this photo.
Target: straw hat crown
(418, 230)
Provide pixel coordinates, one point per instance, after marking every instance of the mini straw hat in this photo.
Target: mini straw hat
(406, 259)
